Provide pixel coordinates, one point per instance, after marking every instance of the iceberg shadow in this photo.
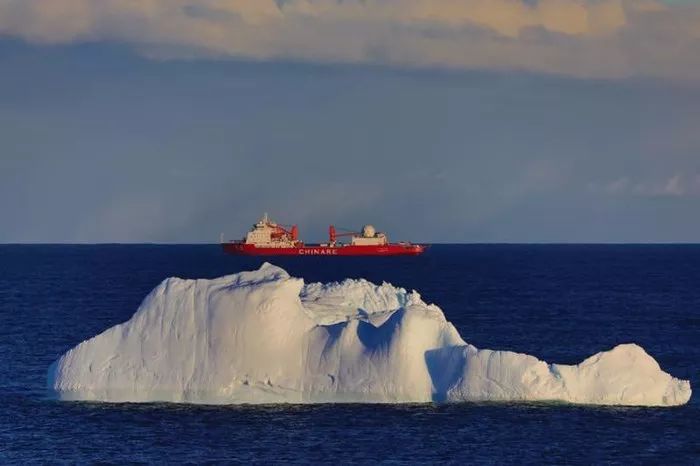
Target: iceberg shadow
(446, 367)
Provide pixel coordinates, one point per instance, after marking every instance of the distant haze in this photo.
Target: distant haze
(117, 128)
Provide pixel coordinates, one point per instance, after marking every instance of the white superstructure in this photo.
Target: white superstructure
(268, 234)
(369, 237)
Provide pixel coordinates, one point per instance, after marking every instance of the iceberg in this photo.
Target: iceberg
(266, 337)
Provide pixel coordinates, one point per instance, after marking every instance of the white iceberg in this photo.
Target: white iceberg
(265, 337)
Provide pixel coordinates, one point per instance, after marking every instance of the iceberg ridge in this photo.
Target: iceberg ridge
(265, 337)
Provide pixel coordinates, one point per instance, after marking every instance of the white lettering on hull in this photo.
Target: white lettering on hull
(318, 252)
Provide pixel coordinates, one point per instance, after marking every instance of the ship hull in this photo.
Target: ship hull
(243, 249)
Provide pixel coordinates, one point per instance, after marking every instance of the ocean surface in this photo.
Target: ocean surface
(561, 303)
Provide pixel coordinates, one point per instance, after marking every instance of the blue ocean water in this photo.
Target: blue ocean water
(561, 303)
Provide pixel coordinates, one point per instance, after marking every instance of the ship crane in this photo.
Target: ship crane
(290, 231)
(333, 234)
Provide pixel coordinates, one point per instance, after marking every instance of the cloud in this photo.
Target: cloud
(599, 38)
(678, 186)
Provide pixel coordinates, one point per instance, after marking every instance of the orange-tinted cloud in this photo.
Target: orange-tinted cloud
(599, 38)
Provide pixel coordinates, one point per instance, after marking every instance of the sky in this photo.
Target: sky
(434, 120)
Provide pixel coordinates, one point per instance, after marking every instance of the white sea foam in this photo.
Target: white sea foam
(265, 337)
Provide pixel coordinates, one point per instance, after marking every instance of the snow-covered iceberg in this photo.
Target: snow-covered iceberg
(266, 337)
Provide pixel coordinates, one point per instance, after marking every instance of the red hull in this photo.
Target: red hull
(242, 249)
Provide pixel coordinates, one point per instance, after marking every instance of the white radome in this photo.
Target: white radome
(266, 337)
(368, 231)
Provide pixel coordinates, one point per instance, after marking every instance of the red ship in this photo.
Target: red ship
(268, 238)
